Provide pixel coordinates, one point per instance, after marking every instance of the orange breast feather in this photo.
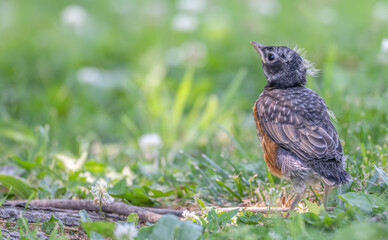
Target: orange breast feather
(268, 146)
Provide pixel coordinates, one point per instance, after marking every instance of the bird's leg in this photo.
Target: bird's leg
(328, 189)
(300, 188)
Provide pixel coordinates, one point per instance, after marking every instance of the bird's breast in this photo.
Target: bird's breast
(268, 146)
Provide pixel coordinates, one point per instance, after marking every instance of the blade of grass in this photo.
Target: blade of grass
(228, 189)
(218, 168)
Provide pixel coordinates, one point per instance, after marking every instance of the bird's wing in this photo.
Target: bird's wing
(300, 124)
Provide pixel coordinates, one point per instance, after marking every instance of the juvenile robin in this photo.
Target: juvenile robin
(298, 140)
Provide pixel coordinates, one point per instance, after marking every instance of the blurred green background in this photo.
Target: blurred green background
(116, 89)
(112, 71)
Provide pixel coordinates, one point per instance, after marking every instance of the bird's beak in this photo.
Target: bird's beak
(259, 48)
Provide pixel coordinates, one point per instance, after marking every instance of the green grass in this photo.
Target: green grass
(200, 107)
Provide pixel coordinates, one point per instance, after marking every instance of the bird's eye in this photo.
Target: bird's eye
(271, 57)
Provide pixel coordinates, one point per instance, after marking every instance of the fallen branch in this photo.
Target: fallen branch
(116, 208)
(145, 214)
(263, 209)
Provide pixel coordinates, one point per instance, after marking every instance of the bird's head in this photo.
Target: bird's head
(282, 66)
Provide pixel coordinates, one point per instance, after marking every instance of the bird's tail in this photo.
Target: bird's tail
(332, 172)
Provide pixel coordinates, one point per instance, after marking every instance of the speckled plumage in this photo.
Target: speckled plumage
(296, 119)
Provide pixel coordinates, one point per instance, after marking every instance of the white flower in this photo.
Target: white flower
(71, 163)
(101, 78)
(74, 16)
(184, 22)
(150, 144)
(125, 231)
(233, 221)
(89, 177)
(192, 6)
(90, 75)
(100, 194)
(187, 215)
(384, 45)
(301, 208)
(383, 54)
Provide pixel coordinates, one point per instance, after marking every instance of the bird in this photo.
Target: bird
(298, 139)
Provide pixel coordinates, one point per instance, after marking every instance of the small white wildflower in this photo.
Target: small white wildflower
(184, 22)
(74, 16)
(88, 176)
(90, 75)
(383, 54)
(233, 221)
(384, 45)
(125, 231)
(301, 208)
(310, 68)
(72, 164)
(187, 215)
(100, 194)
(150, 144)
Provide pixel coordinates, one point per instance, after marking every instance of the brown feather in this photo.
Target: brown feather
(268, 146)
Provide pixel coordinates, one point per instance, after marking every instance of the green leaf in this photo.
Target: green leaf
(28, 201)
(217, 221)
(119, 188)
(313, 207)
(382, 174)
(159, 193)
(104, 228)
(95, 167)
(134, 218)
(49, 225)
(200, 203)
(84, 218)
(145, 232)
(249, 218)
(239, 185)
(181, 97)
(53, 233)
(20, 187)
(170, 227)
(228, 189)
(24, 164)
(364, 201)
(136, 195)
